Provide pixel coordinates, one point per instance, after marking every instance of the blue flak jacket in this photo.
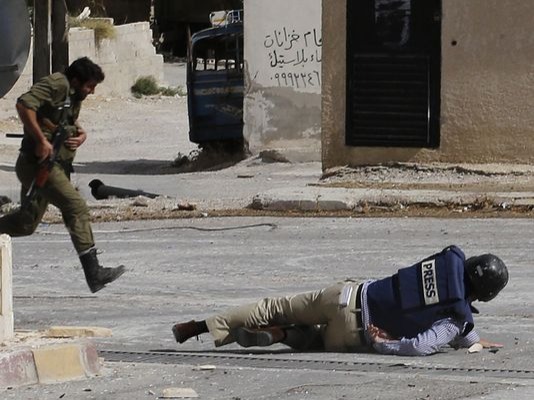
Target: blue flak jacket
(410, 301)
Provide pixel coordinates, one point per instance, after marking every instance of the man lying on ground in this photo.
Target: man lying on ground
(416, 311)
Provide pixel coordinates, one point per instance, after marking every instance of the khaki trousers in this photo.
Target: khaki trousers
(322, 307)
(58, 191)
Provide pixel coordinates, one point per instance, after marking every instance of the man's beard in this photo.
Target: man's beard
(79, 96)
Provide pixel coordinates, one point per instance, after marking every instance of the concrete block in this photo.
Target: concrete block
(286, 200)
(142, 25)
(60, 363)
(524, 202)
(6, 290)
(335, 205)
(133, 27)
(106, 52)
(17, 368)
(77, 331)
(124, 29)
(81, 43)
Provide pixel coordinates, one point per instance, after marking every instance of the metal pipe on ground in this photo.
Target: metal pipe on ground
(100, 191)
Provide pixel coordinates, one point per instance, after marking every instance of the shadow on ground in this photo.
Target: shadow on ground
(245, 351)
(150, 167)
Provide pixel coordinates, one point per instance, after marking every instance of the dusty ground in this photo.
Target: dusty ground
(132, 139)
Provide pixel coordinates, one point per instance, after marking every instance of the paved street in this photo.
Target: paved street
(183, 269)
(191, 268)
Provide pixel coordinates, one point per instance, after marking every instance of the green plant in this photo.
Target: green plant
(173, 91)
(147, 86)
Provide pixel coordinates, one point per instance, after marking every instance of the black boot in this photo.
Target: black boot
(248, 337)
(186, 330)
(96, 275)
(304, 338)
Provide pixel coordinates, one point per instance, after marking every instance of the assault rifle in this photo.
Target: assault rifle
(46, 165)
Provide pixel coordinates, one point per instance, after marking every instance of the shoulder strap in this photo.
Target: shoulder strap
(60, 133)
(65, 108)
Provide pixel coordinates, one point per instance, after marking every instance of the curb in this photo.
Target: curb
(338, 199)
(48, 364)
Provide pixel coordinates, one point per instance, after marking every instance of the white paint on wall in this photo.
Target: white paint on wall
(286, 50)
(283, 54)
(260, 107)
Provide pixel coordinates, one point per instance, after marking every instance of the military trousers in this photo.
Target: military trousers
(323, 309)
(59, 191)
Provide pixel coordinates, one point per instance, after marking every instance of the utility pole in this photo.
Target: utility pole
(60, 36)
(41, 39)
(51, 45)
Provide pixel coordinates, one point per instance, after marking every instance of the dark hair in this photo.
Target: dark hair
(84, 70)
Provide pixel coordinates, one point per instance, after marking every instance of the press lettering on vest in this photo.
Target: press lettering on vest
(429, 281)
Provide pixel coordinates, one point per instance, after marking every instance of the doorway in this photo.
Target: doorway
(393, 73)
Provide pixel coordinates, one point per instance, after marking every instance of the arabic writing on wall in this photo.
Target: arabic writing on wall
(294, 57)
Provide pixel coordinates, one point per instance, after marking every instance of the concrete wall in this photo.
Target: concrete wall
(123, 59)
(283, 51)
(487, 91)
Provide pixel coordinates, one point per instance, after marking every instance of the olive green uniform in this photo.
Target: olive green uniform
(46, 98)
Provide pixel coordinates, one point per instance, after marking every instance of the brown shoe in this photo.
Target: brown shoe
(185, 330)
(247, 337)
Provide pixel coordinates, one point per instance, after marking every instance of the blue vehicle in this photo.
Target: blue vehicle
(15, 43)
(215, 84)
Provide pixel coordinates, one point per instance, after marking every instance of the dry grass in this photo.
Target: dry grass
(148, 86)
(102, 27)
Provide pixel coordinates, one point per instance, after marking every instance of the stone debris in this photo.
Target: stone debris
(140, 201)
(205, 368)
(476, 348)
(179, 393)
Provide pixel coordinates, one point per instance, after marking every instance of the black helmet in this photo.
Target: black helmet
(487, 274)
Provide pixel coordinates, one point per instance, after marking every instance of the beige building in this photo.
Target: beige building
(427, 80)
